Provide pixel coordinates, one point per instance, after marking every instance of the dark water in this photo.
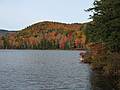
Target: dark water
(42, 70)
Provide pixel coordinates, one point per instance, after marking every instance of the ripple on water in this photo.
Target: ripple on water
(42, 70)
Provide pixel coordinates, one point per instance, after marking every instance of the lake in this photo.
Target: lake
(43, 70)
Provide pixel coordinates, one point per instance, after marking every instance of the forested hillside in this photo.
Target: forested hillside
(46, 35)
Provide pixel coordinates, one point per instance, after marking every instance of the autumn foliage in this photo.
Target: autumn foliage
(45, 35)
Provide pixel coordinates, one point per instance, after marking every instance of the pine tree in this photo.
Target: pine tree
(106, 23)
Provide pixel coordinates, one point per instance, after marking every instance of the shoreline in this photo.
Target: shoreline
(44, 49)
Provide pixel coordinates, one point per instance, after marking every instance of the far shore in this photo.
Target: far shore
(48, 49)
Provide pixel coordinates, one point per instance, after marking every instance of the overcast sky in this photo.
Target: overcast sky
(17, 14)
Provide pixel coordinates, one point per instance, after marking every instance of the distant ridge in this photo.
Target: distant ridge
(4, 32)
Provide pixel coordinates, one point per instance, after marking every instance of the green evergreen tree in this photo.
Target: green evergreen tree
(106, 23)
(5, 42)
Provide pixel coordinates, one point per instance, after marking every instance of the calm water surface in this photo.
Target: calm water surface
(43, 70)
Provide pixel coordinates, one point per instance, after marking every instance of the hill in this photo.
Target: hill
(46, 35)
